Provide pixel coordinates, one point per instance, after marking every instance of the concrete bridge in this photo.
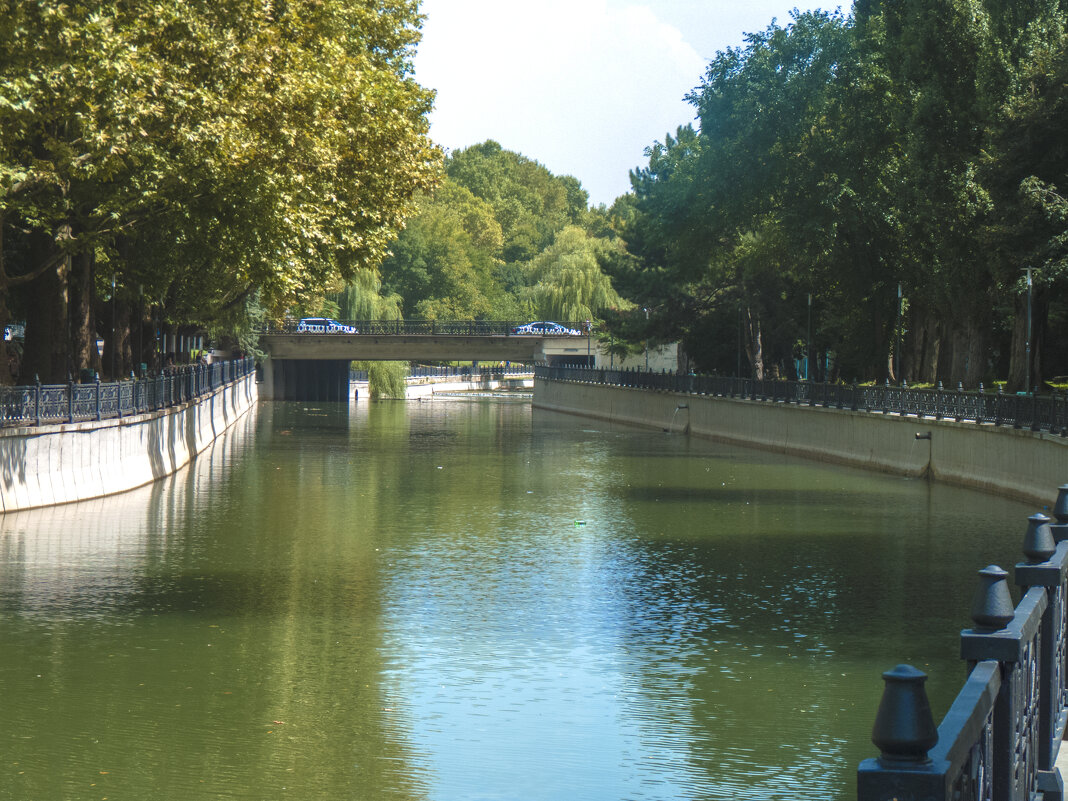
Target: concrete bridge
(307, 366)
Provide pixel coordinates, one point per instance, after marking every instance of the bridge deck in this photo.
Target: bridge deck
(420, 347)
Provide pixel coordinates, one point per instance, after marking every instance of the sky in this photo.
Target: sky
(582, 86)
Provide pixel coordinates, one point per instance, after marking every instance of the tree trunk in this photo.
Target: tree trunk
(46, 354)
(926, 347)
(83, 326)
(966, 356)
(117, 356)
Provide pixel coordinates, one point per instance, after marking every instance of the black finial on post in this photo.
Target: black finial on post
(992, 608)
(904, 728)
(1060, 508)
(1038, 544)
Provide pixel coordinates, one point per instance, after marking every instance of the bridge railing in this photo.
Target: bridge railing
(47, 404)
(415, 327)
(1000, 739)
(1031, 411)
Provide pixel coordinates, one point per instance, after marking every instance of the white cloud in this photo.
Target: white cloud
(580, 85)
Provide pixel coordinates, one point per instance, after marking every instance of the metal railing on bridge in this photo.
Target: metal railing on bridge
(41, 404)
(1000, 739)
(1033, 411)
(479, 328)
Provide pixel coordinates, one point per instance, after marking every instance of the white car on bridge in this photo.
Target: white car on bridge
(323, 325)
(546, 329)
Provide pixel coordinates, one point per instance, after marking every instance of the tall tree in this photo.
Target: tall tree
(209, 150)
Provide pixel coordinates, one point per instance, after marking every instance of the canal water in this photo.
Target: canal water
(470, 599)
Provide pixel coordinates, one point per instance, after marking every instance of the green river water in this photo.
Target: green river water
(469, 599)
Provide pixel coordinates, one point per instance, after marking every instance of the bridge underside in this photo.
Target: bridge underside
(306, 379)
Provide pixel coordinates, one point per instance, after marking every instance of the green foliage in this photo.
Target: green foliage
(210, 150)
(385, 379)
(917, 143)
(362, 299)
(503, 238)
(568, 283)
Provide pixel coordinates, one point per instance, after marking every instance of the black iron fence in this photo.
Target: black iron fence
(1000, 738)
(40, 404)
(415, 328)
(1036, 412)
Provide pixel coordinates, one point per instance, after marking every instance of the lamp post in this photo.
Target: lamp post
(808, 342)
(897, 343)
(1027, 349)
(114, 345)
(738, 373)
(646, 310)
(140, 329)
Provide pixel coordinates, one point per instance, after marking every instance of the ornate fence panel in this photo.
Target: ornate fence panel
(63, 403)
(1039, 413)
(1000, 739)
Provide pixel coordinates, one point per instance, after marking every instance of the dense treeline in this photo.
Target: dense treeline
(920, 144)
(503, 238)
(196, 162)
(868, 189)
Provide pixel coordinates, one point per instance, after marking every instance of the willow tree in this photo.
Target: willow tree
(567, 282)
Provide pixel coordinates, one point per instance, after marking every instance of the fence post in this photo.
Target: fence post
(70, 399)
(97, 381)
(37, 400)
(904, 732)
(1046, 568)
(997, 405)
(1008, 637)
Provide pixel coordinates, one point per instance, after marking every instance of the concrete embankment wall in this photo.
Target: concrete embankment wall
(48, 465)
(434, 385)
(1016, 463)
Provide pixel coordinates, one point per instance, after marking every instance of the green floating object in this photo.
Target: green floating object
(580, 522)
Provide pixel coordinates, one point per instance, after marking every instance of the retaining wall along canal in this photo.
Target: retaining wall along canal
(1014, 462)
(52, 464)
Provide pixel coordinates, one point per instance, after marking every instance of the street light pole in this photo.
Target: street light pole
(646, 310)
(738, 373)
(897, 343)
(808, 343)
(114, 345)
(1027, 386)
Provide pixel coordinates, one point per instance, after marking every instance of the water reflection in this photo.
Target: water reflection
(463, 600)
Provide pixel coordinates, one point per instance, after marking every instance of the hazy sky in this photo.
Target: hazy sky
(582, 86)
